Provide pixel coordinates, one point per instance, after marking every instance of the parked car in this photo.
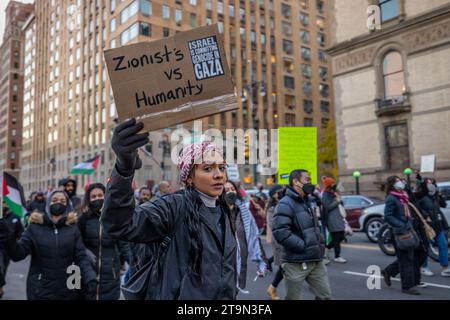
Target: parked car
(354, 206)
(444, 189)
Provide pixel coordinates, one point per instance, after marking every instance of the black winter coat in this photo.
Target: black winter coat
(15, 226)
(153, 221)
(53, 248)
(431, 208)
(109, 256)
(297, 230)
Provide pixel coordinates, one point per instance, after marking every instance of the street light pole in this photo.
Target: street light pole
(250, 89)
(408, 172)
(356, 175)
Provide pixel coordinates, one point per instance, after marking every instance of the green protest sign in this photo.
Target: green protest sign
(297, 149)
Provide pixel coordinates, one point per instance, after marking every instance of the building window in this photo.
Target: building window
(324, 106)
(145, 29)
(288, 47)
(323, 89)
(393, 76)
(145, 6)
(304, 4)
(166, 32)
(113, 25)
(289, 82)
(397, 149)
(193, 2)
(307, 87)
(320, 23)
(166, 12)
(286, 10)
(288, 65)
(129, 11)
(287, 28)
(325, 122)
(178, 16)
(321, 38)
(289, 100)
(308, 122)
(130, 33)
(306, 53)
(307, 106)
(306, 70)
(290, 119)
(320, 6)
(305, 36)
(322, 56)
(304, 19)
(193, 18)
(323, 73)
(389, 9)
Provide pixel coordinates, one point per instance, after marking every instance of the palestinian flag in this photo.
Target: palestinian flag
(86, 167)
(13, 195)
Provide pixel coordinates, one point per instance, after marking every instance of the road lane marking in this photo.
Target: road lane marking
(360, 246)
(18, 275)
(394, 279)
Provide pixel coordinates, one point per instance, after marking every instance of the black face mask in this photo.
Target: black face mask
(231, 198)
(308, 188)
(57, 209)
(96, 205)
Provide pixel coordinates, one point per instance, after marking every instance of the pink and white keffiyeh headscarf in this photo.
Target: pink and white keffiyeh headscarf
(193, 154)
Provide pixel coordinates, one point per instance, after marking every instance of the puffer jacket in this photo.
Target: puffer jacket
(297, 230)
(153, 221)
(109, 255)
(53, 247)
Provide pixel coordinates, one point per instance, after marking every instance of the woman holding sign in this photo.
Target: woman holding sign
(191, 230)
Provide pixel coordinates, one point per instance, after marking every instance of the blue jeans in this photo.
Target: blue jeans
(442, 243)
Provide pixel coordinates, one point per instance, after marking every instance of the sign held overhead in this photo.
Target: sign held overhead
(172, 80)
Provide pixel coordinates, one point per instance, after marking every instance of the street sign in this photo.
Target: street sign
(233, 172)
(428, 163)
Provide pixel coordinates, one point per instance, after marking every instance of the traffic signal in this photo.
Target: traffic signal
(247, 146)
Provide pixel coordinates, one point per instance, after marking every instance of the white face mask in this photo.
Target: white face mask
(399, 185)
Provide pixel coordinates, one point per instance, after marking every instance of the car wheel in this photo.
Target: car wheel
(373, 228)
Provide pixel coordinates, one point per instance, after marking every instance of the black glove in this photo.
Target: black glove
(125, 142)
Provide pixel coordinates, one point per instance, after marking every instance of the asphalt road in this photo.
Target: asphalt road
(348, 281)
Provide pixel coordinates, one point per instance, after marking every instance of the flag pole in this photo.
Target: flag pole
(1, 198)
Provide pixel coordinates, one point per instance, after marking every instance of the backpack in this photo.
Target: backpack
(146, 282)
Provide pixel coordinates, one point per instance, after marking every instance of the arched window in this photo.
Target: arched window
(393, 75)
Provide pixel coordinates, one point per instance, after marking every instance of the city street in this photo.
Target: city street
(348, 281)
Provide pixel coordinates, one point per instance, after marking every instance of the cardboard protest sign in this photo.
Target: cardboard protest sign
(172, 80)
(297, 149)
(233, 172)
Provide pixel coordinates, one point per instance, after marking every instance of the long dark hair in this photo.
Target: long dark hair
(87, 195)
(234, 184)
(390, 181)
(192, 221)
